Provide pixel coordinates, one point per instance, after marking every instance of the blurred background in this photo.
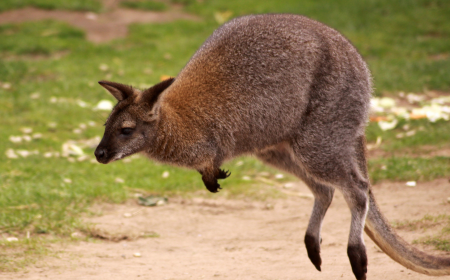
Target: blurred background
(52, 53)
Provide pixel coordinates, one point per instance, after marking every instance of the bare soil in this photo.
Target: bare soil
(235, 239)
(111, 24)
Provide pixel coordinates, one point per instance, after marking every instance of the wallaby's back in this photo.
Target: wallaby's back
(257, 78)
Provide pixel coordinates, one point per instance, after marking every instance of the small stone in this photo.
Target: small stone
(246, 178)
(165, 174)
(137, 255)
(127, 215)
(411, 184)
(12, 239)
(279, 176)
(67, 180)
(26, 138)
(91, 16)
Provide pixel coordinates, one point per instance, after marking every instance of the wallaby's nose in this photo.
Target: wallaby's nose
(100, 154)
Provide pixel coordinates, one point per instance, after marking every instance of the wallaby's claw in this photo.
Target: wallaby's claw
(313, 249)
(213, 188)
(223, 174)
(358, 260)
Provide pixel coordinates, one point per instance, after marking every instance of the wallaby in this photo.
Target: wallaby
(285, 88)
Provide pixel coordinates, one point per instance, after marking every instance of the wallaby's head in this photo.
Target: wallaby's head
(131, 126)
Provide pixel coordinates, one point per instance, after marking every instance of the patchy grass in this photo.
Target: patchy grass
(17, 255)
(408, 168)
(144, 5)
(77, 5)
(48, 75)
(439, 241)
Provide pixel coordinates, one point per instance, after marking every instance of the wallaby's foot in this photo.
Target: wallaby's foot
(211, 184)
(223, 174)
(313, 248)
(358, 260)
(210, 178)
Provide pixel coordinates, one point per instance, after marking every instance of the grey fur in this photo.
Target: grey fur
(285, 88)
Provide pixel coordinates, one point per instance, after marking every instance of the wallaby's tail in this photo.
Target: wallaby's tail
(379, 230)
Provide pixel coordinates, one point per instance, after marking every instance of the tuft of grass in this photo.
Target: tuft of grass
(145, 5)
(17, 255)
(408, 168)
(439, 241)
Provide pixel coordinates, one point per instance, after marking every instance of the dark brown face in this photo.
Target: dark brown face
(124, 135)
(131, 127)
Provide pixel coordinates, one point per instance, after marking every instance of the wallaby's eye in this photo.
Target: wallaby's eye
(126, 131)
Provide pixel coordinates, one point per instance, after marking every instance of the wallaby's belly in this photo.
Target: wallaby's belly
(264, 79)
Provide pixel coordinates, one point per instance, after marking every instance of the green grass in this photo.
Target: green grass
(145, 5)
(46, 60)
(77, 5)
(440, 240)
(408, 169)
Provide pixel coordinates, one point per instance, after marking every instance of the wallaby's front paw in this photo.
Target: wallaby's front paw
(215, 187)
(358, 260)
(211, 183)
(223, 174)
(313, 249)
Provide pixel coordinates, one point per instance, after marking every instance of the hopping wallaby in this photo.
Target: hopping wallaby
(285, 88)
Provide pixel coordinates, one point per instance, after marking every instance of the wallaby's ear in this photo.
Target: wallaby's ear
(150, 95)
(119, 91)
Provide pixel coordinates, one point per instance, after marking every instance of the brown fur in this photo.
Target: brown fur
(285, 88)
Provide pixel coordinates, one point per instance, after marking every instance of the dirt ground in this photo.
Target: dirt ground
(231, 239)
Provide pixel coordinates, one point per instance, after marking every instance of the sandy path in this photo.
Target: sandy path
(225, 239)
(99, 28)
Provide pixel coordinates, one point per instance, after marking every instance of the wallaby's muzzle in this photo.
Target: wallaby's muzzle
(101, 155)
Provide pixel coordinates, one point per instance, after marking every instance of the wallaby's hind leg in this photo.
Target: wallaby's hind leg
(323, 195)
(339, 166)
(280, 157)
(357, 200)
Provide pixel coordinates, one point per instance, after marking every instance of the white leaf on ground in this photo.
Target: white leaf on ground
(15, 139)
(105, 105)
(10, 153)
(388, 125)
